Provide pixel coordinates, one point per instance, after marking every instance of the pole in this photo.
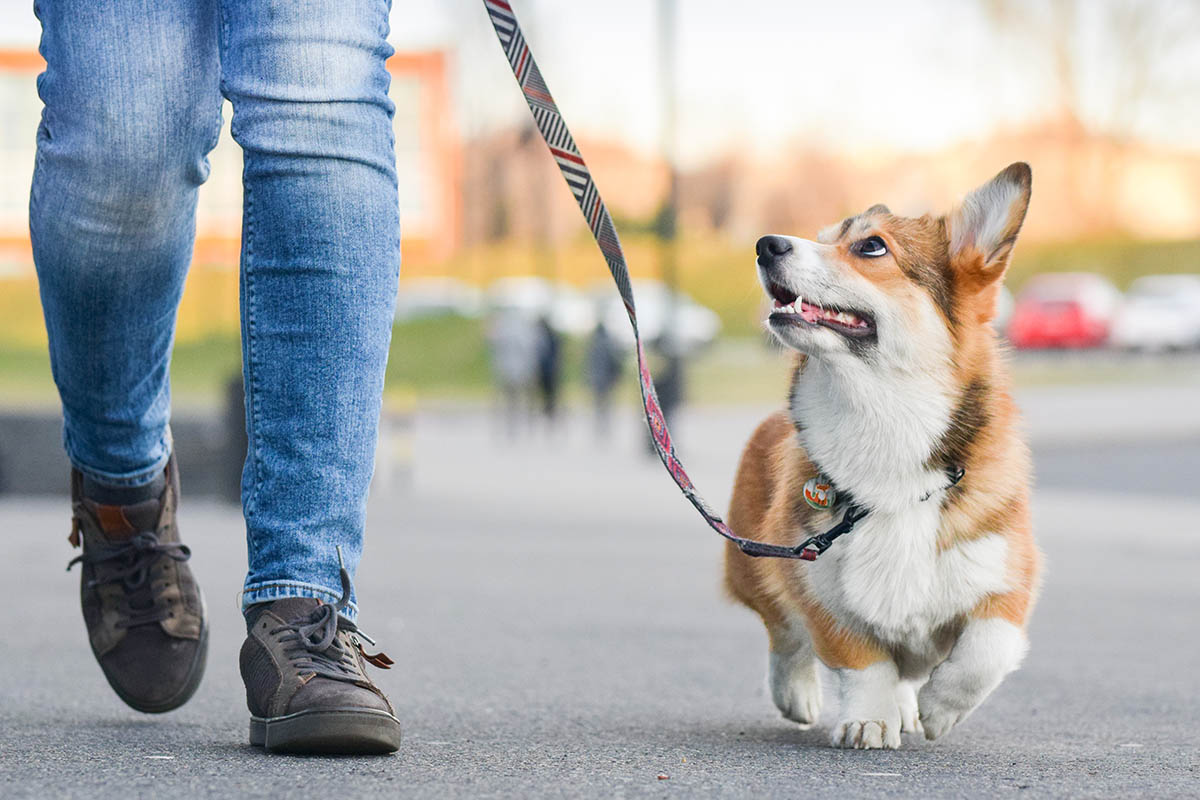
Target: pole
(669, 216)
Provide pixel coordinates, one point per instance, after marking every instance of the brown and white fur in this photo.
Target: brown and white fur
(922, 609)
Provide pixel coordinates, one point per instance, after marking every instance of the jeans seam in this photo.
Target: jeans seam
(251, 352)
(253, 444)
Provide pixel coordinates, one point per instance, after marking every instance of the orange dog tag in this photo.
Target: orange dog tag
(818, 493)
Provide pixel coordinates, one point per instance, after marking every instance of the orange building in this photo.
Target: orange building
(427, 155)
(428, 162)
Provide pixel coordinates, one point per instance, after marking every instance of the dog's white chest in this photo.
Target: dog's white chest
(889, 575)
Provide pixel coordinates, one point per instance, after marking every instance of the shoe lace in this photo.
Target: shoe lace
(312, 643)
(131, 563)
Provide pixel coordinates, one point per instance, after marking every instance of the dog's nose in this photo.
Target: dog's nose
(770, 248)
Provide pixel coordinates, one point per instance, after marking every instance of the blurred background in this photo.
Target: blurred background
(705, 129)
(522, 541)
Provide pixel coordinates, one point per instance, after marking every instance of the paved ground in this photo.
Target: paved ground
(554, 612)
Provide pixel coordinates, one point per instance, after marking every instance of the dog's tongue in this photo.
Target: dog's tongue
(809, 313)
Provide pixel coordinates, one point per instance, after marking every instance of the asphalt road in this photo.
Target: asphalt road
(553, 608)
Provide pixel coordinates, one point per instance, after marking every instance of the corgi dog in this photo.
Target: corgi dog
(899, 405)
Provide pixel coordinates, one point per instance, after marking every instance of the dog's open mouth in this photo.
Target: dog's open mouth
(792, 309)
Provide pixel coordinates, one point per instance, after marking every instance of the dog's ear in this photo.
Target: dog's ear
(984, 227)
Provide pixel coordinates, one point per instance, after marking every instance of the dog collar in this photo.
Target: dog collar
(820, 494)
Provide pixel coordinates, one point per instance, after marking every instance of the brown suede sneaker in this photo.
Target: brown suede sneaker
(306, 684)
(143, 610)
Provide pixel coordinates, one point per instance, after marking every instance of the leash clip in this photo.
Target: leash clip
(816, 545)
(813, 546)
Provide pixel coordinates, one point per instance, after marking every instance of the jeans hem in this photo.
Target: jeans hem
(277, 590)
(142, 477)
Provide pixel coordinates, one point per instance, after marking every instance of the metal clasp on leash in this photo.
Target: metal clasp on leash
(814, 546)
(810, 548)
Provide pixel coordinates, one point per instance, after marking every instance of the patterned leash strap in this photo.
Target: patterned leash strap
(554, 130)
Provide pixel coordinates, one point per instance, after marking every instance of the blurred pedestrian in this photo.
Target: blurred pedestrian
(602, 369)
(513, 340)
(133, 94)
(668, 379)
(549, 368)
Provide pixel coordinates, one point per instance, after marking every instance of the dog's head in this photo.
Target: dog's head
(879, 287)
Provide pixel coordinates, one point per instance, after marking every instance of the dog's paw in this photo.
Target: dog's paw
(796, 689)
(941, 710)
(938, 718)
(943, 706)
(866, 735)
(910, 715)
(800, 701)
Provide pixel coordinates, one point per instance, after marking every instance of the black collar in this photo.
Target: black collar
(813, 546)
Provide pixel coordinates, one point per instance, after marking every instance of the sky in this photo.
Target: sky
(753, 75)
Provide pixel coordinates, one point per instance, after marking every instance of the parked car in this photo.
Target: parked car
(1160, 312)
(1065, 309)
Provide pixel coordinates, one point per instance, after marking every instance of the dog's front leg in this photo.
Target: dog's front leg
(870, 713)
(986, 651)
(792, 673)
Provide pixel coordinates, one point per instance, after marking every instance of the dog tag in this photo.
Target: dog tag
(819, 493)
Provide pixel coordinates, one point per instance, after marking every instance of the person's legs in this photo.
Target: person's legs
(131, 108)
(320, 262)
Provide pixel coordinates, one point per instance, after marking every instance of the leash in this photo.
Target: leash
(554, 130)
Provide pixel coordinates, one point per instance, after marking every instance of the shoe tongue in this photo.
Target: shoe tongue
(289, 609)
(120, 523)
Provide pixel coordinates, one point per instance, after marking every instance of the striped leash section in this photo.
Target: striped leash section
(554, 130)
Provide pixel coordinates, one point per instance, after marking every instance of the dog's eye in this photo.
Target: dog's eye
(871, 247)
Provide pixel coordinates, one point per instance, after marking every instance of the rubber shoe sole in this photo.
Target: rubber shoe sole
(350, 731)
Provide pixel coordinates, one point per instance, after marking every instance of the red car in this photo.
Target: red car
(1069, 309)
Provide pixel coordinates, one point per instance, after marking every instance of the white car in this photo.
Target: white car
(419, 298)
(1160, 312)
(1004, 310)
(568, 309)
(679, 319)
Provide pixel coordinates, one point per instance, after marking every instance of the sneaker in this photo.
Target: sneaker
(304, 667)
(144, 612)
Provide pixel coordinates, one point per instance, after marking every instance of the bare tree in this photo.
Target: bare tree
(1114, 62)
(1119, 68)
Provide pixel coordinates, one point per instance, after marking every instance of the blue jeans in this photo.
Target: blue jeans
(132, 93)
